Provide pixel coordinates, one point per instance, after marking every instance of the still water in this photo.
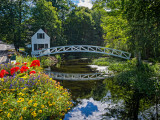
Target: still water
(102, 99)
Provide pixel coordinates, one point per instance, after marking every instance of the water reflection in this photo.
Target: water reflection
(78, 76)
(85, 89)
(104, 99)
(93, 101)
(97, 100)
(73, 66)
(90, 109)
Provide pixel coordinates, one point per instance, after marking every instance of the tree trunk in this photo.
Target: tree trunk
(138, 57)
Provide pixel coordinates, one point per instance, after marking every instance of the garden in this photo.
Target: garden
(26, 92)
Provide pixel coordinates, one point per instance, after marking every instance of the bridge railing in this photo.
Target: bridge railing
(82, 48)
(74, 76)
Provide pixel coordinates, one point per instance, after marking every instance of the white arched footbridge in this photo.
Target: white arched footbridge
(82, 48)
(78, 77)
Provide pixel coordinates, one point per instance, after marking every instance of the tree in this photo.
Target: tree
(115, 29)
(12, 17)
(44, 16)
(114, 25)
(144, 21)
(80, 27)
(143, 28)
(63, 7)
(97, 15)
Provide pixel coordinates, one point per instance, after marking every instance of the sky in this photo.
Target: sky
(85, 3)
(90, 109)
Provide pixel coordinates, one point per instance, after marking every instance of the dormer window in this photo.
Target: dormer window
(40, 36)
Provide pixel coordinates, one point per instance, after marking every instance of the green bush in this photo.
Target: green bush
(141, 79)
(27, 59)
(47, 61)
(115, 64)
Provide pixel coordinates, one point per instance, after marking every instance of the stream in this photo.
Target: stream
(102, 99)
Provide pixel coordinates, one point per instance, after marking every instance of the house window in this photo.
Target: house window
(46, 45)
(40, 36)
(35, 46)
(40, 46)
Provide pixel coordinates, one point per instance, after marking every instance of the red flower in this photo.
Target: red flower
(17, 63)
(14, 69)
(24, 69)
(3, 73)
(32, 72)
(35, 63)
(25, 63)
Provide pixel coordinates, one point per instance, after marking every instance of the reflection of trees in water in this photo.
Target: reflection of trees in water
(73, 66)
(125, 103)
(133, 103)
(99, 91)
(86, 89)
(133, 89)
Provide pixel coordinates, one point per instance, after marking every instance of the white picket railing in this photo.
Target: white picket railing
(77, 77)
(82, 48)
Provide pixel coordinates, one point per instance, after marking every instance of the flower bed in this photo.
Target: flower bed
(26, 93)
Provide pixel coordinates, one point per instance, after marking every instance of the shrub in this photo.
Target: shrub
(47, 61)
(115, 64)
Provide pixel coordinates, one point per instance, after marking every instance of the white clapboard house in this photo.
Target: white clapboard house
(40, 40)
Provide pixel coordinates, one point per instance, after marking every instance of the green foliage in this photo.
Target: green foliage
(45, 16)
(58, 57)
(142, 78)
(63, 7)
(27, 59)
(12, 17)
(139, 79)
(132, 25)
(80, 28)
(115, 64)
(47, 61)
(115, 28)
(143, 18)
(132, 100)
(101, 61)
(152, 60)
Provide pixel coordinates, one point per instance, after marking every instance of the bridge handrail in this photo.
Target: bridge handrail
(77, 76)
(126, 54)
(57, 73)
(76, 46)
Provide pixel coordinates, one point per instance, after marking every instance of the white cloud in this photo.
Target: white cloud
(85, 3)
(90, 109)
